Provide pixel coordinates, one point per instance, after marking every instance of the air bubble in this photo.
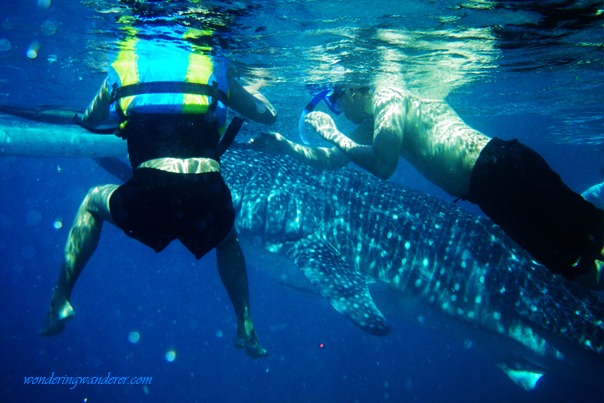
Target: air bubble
(32, 51)
(170, 355)
(134, 337)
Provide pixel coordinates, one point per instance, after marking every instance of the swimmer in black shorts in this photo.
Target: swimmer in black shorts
(511, 183)
(172, 123)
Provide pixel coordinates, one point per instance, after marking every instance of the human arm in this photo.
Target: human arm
(318, 157)
(595, 195)
(250, 104)
(381, 156)
(96, 118)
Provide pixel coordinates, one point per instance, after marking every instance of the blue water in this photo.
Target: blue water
(510, 70)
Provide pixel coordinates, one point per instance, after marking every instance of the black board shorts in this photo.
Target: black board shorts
(156, 207)
(517, 189)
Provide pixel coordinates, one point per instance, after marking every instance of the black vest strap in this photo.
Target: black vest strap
(164, 87)
(229, 135)
(179, 87)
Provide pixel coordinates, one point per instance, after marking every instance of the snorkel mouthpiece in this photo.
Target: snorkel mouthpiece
(316, 99)
(330, 97)
(331, 100)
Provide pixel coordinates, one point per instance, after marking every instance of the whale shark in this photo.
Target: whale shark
(347, 231)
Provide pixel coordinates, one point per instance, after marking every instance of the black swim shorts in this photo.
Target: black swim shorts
(518, 190)
(157, 207)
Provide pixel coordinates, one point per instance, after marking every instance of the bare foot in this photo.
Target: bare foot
(247, 339)
(59, 313)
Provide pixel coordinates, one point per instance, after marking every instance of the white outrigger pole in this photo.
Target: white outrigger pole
(52, 132)
(24, 138)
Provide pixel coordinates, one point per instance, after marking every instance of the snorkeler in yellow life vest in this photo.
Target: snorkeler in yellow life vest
(180, 82)
(169, 103)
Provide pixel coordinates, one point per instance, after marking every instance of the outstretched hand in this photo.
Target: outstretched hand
(324, 125)
(269, 142)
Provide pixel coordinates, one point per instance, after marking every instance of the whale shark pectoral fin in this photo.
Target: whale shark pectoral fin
(345, 288)
(524, 378)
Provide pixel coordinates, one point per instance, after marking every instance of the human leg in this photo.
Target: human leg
(232, 271)
(81, 243)
(208, 224)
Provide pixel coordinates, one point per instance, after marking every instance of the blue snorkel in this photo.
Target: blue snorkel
(325, 96)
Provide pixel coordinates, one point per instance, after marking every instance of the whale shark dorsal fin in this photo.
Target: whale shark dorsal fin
(526, 379)
(345, 288)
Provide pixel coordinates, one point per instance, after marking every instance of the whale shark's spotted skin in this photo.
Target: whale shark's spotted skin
(346, 229)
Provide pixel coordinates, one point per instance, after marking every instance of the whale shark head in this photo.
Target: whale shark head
(268, 202)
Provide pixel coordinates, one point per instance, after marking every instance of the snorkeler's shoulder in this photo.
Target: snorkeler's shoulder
(390, 91)
(383, 96)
